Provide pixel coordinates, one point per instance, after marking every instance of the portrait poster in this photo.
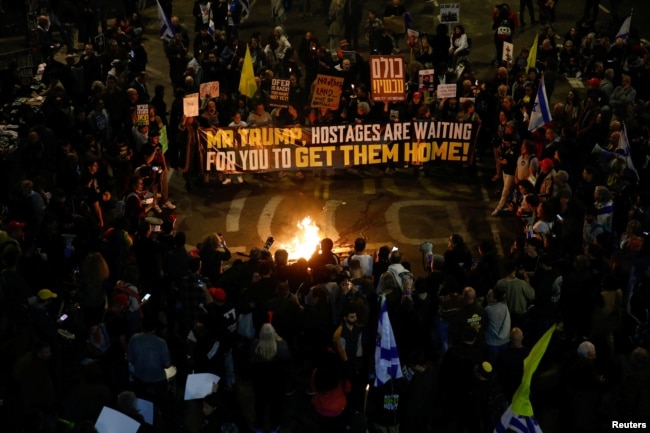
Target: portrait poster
(449, 13)
(209, 90)
(508, 50)
(426, 80)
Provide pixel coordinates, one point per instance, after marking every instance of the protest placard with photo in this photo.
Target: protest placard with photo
(426, 80)
(449, 13)
(508, 52)
(412, 38)
(209, 90)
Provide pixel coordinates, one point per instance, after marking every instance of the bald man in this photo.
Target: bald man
(470, 314)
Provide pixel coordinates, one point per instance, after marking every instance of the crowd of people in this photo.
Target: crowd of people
(98, 300)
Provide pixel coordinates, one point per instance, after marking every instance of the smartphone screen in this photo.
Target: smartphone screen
(146, 297)
(63, 317)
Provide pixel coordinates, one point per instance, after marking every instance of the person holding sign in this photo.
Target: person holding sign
(155, 158)
(504, 24)
(192, 154)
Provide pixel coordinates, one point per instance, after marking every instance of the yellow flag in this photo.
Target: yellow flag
(532, 55)
(247, 85)
(521, 400)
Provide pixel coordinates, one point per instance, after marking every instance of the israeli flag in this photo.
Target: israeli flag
(387, 365)
(510, 422)
(541, 114)
(623, 150)
(624, 31)
(246, 7)
(167, 31)
(519, 416)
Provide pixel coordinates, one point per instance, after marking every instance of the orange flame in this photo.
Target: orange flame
(305, 242)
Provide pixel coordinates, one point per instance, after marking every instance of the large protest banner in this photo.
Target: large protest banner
(387, 78)
(335, 146)
(279, 95)
(327, 92)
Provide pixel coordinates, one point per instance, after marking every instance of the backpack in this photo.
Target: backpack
(131, 292)
(99, 340)
(388, 282)
(120, 206)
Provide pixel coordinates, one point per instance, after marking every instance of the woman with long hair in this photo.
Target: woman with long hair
(269, 360)
(212, 252)
(458, 258)
(459, 45)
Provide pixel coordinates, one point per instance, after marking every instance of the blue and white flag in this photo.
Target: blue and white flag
(167, 31)
(519, 416)
(246, 7)
(517, 423)
(624, 31)
(623, 151)
(541, 114)
(387, 365)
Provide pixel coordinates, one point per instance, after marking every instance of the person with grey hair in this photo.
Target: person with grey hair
(607, 83)
(283, 43)
(584, 389)
(391, 279)
(438, 263)
(622, 98)
(586, 350)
